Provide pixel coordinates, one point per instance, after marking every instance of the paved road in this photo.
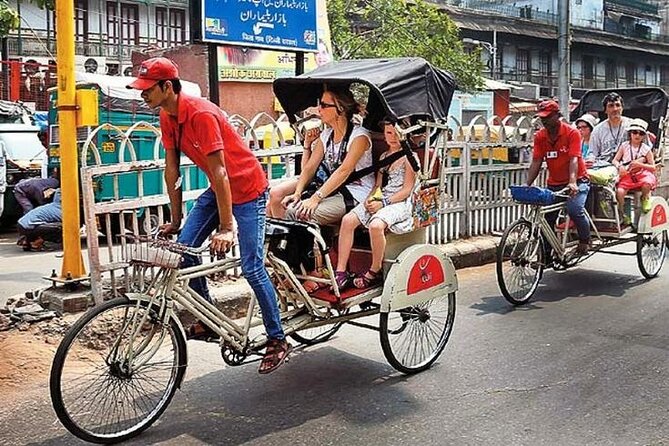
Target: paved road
(22, 271)
(585, 364)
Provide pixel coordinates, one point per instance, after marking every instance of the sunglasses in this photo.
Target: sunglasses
(582, 127)
(637, 132)
(322, 104)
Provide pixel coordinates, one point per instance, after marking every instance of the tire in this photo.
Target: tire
(89, 387)
(422, 330)
(519, 256)
(650, 252)
(312, 336)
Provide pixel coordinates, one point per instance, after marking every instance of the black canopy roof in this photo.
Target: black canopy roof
(648, 103)
(399, 88)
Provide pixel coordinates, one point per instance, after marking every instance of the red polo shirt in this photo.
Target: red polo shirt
(558, 154)
(205, 131)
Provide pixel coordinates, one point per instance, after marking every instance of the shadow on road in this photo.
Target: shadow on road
(236, 405)
(555, 286)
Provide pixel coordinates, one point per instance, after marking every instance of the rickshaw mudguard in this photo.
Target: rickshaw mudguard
(657, 219)
(419, 274)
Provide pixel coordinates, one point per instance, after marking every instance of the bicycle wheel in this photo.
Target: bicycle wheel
(650, 252)
(413, 338)
(312, 336)
(519, 262)
(107, 385)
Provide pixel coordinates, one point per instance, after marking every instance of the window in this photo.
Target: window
(588, 67)
(664, 75)
(545, 68)
(81, 20)
(523, 63)
(170, 29)
(611, 73)
(630, 74)
(128, 31)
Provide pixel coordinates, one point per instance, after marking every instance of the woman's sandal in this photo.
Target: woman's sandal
(344, 280)
(276, 353)
(311, 286)
(200, 332)
(368, 280)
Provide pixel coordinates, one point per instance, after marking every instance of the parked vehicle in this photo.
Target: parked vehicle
(23, 154)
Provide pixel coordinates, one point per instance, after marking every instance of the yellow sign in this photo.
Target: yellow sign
(109, 147)
(241, 64)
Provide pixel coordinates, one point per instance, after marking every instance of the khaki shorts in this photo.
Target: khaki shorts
(329, 211)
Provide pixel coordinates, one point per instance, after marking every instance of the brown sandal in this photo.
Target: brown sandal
(369, 279)
(276, 353)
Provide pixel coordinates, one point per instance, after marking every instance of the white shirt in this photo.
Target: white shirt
(360, 188)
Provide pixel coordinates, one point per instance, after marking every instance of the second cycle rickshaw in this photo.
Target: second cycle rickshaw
(529, 245)
(119, 366)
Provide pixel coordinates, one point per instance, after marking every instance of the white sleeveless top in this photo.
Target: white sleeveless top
(361, 187)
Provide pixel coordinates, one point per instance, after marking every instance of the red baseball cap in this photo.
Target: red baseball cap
(153, 70)
(547, 108)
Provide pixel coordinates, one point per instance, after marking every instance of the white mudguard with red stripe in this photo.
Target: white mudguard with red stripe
(420, 273)
(657, 219)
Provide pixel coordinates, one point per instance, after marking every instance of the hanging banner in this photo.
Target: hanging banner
(247, 64)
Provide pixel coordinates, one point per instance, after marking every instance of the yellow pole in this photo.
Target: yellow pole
(73, 264)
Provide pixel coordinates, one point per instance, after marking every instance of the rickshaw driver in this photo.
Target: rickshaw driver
(560, 144)
(238, 187)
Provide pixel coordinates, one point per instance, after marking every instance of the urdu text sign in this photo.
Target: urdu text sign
(275, 24)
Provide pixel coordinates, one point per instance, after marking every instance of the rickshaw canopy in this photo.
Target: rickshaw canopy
(648, 103)
(398, 88)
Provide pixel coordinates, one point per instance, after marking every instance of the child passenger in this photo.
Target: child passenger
(388, 206)
(636, 167)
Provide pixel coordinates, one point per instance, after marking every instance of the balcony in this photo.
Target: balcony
(631, 6)
(96, 46)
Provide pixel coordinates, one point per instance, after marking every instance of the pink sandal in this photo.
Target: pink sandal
(369, 279)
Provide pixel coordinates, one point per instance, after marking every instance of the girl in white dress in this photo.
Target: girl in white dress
(392, 210)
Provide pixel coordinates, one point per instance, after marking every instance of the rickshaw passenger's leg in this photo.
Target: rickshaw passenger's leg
(346, 231)
(377, 236)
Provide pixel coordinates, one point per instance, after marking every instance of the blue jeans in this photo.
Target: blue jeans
(576, 210)
(203, 220)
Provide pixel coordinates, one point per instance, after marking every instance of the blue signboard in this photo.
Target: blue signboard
(274, 24)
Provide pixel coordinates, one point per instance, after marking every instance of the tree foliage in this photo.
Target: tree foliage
(10, 19)
(401, 28)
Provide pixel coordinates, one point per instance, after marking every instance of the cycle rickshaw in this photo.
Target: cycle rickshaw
(521, 254)
(119, 366)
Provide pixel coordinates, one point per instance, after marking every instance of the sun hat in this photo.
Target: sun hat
(588, 119)
(638, 124)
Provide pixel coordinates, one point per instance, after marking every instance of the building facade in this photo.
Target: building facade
(106, 32)
(614, 43)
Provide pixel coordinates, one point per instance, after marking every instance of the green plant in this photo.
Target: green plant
(400, 28)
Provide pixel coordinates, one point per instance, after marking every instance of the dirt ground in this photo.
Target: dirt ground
(26, 353)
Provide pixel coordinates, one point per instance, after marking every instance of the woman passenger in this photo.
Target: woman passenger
(341, 149)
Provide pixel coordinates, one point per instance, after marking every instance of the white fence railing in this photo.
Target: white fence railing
(475, 163)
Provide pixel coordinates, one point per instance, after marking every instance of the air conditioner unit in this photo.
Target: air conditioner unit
(90, 64)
